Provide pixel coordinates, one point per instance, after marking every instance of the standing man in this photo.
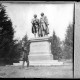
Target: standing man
(25, 56)
(35, 25)
(44, 25)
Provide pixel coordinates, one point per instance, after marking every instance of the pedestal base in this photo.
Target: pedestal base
(40, 53)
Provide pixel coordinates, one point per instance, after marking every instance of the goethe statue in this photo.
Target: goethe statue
(40, 27)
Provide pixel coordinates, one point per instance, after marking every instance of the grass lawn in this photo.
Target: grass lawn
(63, 71)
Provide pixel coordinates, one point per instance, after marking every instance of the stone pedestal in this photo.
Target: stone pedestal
(40, 52)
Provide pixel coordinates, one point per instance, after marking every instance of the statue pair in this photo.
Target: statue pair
(40, 27)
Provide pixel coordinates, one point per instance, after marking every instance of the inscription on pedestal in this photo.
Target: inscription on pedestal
(40, 47)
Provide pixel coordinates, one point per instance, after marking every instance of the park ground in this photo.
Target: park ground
(56, 71)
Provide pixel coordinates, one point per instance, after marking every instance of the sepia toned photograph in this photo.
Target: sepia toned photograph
(36, 39)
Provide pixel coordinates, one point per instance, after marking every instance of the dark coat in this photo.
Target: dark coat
(25, 54)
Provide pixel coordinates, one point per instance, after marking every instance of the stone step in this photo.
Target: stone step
(45, 63)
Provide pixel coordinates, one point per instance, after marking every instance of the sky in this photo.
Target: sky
(59, 17)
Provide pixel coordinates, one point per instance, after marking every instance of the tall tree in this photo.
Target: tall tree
(25, 42)
(6, 32)
(55, 46)
(68, 43)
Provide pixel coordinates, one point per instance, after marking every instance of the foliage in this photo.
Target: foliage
(55, 46)
(6, 33)
(25, 43)
(68, 43)
(18, 48)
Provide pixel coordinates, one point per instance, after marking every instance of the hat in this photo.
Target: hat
(42, 14)
(35, 15)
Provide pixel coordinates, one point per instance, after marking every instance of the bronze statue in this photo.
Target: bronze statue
(35, 25)
(44, 25)
(40, 27)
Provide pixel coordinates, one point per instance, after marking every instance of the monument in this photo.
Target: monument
(40, 47)
(40, 53)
